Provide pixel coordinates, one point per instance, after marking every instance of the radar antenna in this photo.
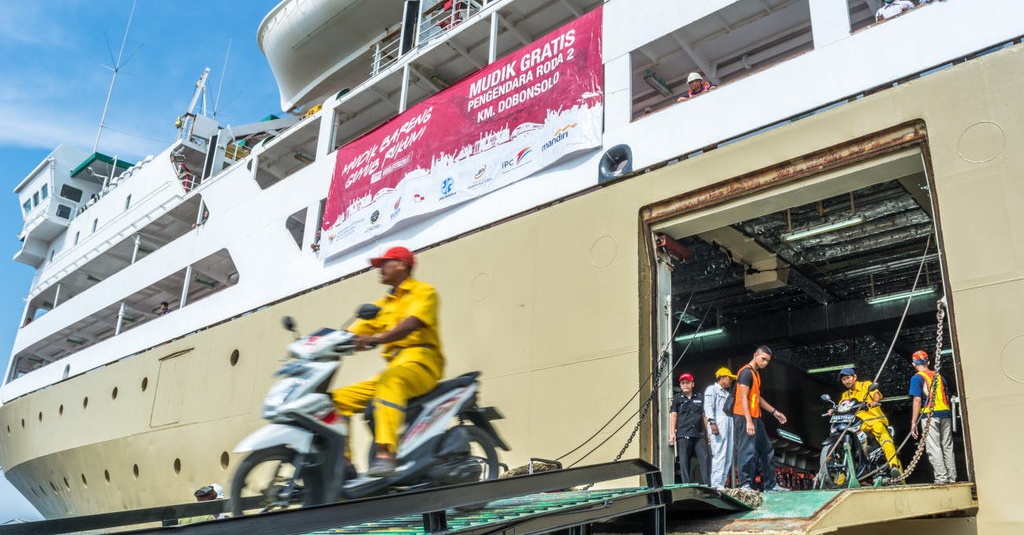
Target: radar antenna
(113, 79)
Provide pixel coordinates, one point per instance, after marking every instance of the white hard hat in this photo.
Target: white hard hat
(694, 76)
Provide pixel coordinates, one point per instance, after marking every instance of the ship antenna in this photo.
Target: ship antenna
(113, 79)
(220, 84)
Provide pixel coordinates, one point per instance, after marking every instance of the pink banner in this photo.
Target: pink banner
(500, 125)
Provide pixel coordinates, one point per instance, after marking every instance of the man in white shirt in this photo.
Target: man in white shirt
(718, 402)
(891, 8)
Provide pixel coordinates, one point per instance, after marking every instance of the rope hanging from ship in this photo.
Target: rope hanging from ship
(940, 319)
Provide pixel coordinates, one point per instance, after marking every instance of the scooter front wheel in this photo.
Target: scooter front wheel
(832, 472)
(274, 478)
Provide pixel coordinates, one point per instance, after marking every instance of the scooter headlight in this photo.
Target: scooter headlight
(279, 393)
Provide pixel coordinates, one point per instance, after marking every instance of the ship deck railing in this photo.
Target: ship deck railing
(432, 23)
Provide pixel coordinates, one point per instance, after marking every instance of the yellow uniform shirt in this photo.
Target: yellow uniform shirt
(859, 392)
(410, 298)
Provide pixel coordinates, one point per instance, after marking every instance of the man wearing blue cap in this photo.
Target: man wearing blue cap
(874, 419)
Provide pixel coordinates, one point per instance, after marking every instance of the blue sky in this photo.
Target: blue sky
(54, 80)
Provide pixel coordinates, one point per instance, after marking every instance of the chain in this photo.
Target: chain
(940, 317)
(656, 383)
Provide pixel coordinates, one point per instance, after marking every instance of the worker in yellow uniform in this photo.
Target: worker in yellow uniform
(407, 331)
(875, 421)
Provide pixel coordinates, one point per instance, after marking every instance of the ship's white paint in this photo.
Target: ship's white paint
(879, 54)
(271, 266)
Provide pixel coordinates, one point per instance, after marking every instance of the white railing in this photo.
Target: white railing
(433, 23)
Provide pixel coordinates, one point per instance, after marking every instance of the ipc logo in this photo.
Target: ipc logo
(447, 185)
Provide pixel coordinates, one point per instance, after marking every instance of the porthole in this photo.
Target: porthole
(135, 471)
(84, 482)
(67, 484)
(23, 423)
(42, 490)
(85, 402)
(224, 460)
(234, 357)
(113, 393)
(8, 429)
(52, 486)
(145, 383)
(40, 416)
(106, 475)
(60, 410)
(177, 466)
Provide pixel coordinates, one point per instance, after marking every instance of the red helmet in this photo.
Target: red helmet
(686, 377)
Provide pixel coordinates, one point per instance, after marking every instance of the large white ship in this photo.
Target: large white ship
(585, 225)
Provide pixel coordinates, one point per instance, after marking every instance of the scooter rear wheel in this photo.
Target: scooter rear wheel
(270, 475)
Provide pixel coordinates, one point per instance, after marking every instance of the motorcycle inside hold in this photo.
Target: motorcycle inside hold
(849, 455)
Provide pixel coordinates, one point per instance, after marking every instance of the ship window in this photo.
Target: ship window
(44, 191)
(127, 202)
(288, 154)
(71, 193)
(76, 237)
(94, 223)
(63, 211)
(27, 207)
(35, 199)
(740, 39)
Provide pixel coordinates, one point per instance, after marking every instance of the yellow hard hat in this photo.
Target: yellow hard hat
(724, 372)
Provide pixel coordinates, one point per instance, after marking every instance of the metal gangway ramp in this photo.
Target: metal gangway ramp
(544, 503)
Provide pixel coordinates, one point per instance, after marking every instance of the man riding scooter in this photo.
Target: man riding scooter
(407, 331)
(874, 419)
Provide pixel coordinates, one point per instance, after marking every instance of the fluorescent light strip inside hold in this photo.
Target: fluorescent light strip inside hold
(799, 235)
(899, 295)
(700, 334)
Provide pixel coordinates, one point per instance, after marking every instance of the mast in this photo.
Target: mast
(113, 79)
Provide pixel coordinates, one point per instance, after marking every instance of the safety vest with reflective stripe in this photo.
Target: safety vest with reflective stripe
(935, 403)
(754, 395)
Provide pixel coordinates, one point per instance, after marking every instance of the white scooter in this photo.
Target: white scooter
(299, 457)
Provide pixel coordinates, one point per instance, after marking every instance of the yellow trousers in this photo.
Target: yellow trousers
(389, 392)
(879, 429)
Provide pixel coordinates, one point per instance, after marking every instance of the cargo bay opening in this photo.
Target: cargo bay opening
(815, 258)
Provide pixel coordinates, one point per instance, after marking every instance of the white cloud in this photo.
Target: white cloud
(47, 128)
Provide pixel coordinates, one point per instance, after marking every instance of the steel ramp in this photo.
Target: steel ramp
(825, 511)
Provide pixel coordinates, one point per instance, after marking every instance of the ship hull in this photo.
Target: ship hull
(555, 307)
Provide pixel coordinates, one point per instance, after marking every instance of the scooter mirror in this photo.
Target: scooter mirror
(826, 398)
(288, 323)
(367, 311)
(873, 387)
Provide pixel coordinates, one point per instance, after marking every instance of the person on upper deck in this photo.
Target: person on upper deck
(406, 328)
(891, 8)
(697, 86)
